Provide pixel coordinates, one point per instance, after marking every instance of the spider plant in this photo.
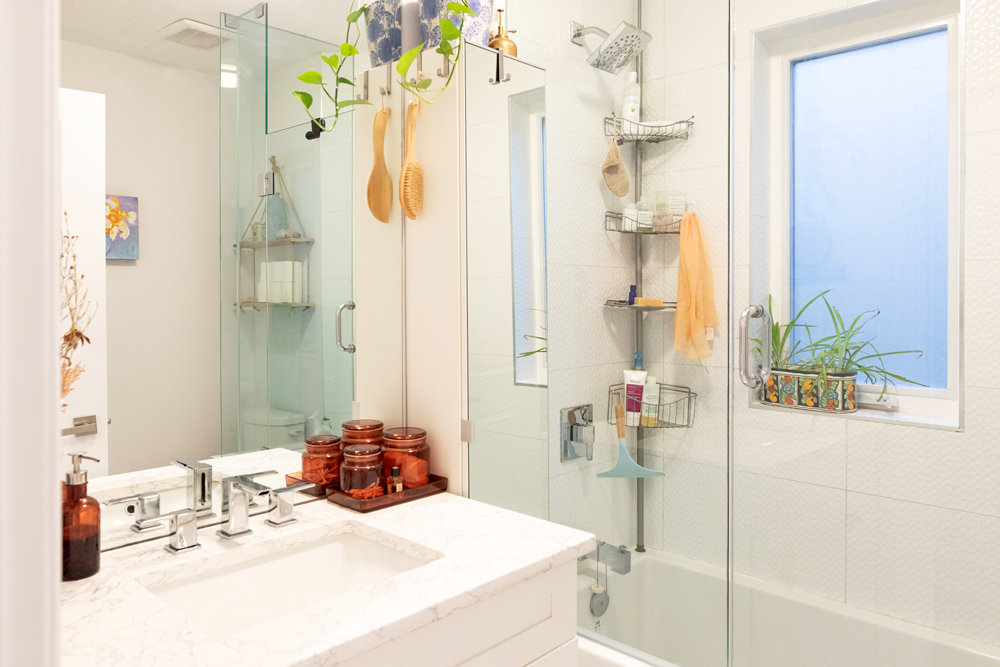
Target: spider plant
(544, 349)
(846, 350)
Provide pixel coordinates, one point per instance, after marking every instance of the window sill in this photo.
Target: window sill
(873, 415)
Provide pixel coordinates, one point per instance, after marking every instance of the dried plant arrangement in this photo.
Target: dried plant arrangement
(76, 308)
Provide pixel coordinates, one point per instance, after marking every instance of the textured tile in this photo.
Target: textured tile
(707, 440)
(707, 192)
(577, 201)
(982, 195)
(791, 444)
(491, 327)
(496, 404)
(931, 466)
(582, 332)
(790, 533)
(982, 66)
(928, 565)
(695, 36)
(625, 492)
(695, 516)
(488, 239)
(703, 94)
(510, 472)
(982, 310)
(581, 500)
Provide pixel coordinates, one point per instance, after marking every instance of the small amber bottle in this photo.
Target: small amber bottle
(81, 525)
(394, 484)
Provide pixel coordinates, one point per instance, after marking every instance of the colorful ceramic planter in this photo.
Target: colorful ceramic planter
(791, 388)
(476, 30)
(384, 21)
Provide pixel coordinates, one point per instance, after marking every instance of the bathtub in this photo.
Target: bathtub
(671, 612)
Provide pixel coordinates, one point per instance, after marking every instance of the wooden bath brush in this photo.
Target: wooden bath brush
(379, 182)
(411, 179)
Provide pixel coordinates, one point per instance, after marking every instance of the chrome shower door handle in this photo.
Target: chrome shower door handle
(752, 380)
(340, 341)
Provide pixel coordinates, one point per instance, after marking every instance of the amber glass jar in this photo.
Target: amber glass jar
(361, 471)
(406, 448)
(362, 432)
(321, 461)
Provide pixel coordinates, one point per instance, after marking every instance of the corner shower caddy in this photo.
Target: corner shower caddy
(676, 405)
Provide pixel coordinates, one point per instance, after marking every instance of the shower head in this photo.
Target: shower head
(618, 48)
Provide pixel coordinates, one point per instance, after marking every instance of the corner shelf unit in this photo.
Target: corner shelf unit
(631, 130)
(623, 303)
(256, 305)
(257, 245)
(675, 408)
(663, 223)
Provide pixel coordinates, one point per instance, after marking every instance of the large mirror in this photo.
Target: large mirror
(506, 287)
(219, 299)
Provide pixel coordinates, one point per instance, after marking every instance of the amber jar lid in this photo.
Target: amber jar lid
(323, 440)
(362, 425)
(405, 433)
(362, 452)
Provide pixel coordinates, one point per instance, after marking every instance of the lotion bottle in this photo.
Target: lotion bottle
(81, 525)
(633, 96)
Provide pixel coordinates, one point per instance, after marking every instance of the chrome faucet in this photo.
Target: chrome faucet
(183, 527)
(619, 559)
(238, 493)
(280, 505)
(141, 506)
(199, 486)
(248, 482)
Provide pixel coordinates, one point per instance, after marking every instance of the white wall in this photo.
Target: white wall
(163, 309)
(82, 153)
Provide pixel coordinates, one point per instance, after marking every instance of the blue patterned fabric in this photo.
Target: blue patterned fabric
(477, 28)
(385, 34)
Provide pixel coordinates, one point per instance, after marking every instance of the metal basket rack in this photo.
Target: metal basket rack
(663, 223)
(675, 408)
(631, 130)
(623, 303)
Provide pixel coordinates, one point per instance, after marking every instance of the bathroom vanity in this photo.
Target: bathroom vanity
(440, 581)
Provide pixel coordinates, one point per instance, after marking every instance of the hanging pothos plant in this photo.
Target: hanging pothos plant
(450, 48)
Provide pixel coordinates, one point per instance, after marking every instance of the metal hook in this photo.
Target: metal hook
(501, 77)
(443, 72)
(363, 95)
(387, 88)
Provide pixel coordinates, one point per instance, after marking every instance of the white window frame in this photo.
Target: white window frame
(931, 407)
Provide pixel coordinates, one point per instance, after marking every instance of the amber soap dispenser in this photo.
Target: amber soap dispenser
(81, 525)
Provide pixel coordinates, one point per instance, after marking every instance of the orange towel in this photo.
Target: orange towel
(695, 293)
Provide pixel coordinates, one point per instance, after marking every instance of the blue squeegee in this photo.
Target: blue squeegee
(626, 466)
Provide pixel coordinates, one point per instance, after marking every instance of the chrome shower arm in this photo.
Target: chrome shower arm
(577, 31)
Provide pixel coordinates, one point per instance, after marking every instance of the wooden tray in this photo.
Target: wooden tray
(434, 486)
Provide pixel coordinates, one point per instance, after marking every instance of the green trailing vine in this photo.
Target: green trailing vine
(450, 48)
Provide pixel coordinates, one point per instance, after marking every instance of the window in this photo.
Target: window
(869, 194)
(855, 127)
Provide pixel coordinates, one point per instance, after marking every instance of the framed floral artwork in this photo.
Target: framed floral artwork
(121, 227)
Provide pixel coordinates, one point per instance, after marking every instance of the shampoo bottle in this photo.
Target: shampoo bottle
(81, 525)
(650, 402)
(633, 96)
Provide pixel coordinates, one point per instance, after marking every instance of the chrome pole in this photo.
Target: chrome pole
(640, 435)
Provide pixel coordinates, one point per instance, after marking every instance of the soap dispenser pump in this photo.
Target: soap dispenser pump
(81, 525)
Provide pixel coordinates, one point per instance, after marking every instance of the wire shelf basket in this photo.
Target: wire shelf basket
(653, 132)
(623, 303)
(662, 223)
(675, 408)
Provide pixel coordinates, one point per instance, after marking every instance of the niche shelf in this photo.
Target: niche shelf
(651, 132)
(623, 303)
(675, 408)
(663, 223)
(256, 245)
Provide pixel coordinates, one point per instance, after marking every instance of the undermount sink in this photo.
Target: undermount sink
(281, 582)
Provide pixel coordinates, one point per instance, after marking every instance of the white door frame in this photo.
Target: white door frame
(30, 540)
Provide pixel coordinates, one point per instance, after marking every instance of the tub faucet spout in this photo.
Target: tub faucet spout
(619, 558)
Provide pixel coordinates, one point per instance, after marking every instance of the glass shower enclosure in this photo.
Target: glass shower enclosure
(286, 245)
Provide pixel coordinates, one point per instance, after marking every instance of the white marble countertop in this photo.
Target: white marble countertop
(475, 551)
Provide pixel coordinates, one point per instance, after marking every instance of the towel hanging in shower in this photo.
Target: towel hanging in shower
(695, 292)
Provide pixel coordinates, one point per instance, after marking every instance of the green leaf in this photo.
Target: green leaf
(423, 84)
(311, 77)
(347, 49)
(345, 81)
(332, 61)
(356, 14)
(305, 98)
(348, 103)
(459, 8)
(445, 48)
(403, 66)
(449, 31)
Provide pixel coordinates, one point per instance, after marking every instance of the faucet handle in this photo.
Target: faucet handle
(199, 494)
(253, 488)
(280, 506)
(183, 527)
(142, 506)
(237, 494)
